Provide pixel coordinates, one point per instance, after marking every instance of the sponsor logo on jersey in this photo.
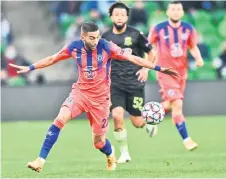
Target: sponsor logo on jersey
(89, 73)
(128, 41)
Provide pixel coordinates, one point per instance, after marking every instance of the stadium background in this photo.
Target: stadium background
(33, 30)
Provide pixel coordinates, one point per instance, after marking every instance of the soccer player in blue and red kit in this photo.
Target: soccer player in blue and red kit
(90, 93)
(172, 39)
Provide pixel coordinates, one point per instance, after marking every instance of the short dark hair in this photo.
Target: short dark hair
(119, 5)
(174, 2)
(89, 27)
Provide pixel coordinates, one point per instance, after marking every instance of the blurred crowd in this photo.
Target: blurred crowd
(10, 54)
(69, 15)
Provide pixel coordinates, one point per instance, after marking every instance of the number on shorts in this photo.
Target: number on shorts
(104, 123)
(138, 103)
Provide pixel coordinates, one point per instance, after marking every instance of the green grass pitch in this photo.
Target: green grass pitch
(74, 155)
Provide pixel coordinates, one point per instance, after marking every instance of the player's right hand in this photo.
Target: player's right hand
(199, 62)
(21, 69)
(169, 71)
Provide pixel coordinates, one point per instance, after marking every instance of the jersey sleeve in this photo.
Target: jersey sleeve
(144, 43)
(64, 53)
(153, 36)
(118, 53)
(192, 39)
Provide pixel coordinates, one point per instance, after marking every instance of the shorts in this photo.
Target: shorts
(132, 101)
(97, 113)
(171, 88)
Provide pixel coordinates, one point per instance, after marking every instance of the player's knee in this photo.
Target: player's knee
(64, 115)
(117, 115)
(137, 121)
(99, 144)
(177, 104)
(177, 119)
(59, 123)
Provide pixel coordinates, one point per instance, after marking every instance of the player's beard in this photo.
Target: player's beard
(89, 46)
(119, 27)
(175, 21)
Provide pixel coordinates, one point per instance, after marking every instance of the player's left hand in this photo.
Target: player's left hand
(21, 69)
(199, 62)
(142, 74)
(170, 71)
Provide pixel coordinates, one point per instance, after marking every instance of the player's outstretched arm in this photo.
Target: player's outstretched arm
(124, 54)
(45, 62)
(195, 52)
(152, 55)
(147, 64)
(143, 72)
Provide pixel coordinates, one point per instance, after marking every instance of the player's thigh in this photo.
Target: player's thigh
(64, 114)
(135, 102)
(73, 105)
(118, 98)
(99, 118)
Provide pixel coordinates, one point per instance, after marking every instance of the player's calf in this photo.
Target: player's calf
(99, 142)
(118, 116)
(51, 138)
(180, 123)
(106, 148)
(178, 118)
(137, 121)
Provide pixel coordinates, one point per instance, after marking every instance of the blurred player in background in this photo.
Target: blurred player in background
(91, 92)
(172, 39)
(127, 79)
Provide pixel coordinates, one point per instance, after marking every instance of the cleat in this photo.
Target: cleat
(151, 130)
(124, 158)
(111, 160)
(189, 144)
(36, 165)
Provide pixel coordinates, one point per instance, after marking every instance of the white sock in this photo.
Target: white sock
(121, 138)
(185, 140)
(42, 160)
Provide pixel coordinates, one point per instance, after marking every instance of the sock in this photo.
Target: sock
(51, 138)
(121, 138)
(107, 148)
(179, 121)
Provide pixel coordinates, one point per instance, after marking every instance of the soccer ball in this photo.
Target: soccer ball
(153, 113)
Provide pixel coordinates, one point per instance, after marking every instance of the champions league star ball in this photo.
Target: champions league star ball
(153, 113)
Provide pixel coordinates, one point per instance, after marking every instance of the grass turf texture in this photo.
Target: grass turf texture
(74, 155)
